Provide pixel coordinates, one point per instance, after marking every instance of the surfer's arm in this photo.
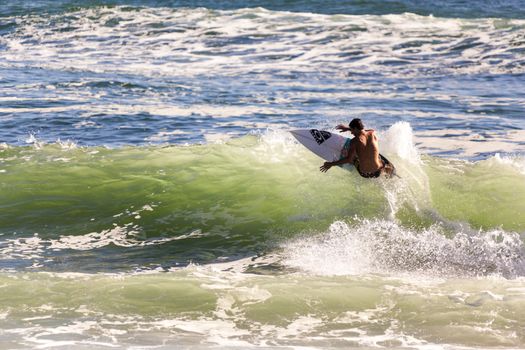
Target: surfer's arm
(327, 165)
(350, 159)
(342, 128)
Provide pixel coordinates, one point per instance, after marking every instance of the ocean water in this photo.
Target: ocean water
(151, 196)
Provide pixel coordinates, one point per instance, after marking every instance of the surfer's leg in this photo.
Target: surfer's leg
(388, 168)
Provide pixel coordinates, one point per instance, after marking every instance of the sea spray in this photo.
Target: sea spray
(410, 185)
(379, 246)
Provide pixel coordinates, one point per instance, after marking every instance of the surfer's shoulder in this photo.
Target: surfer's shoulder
(371, 134)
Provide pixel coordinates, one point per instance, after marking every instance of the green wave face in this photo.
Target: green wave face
(200, 203)
(234, 199)
(485, 194)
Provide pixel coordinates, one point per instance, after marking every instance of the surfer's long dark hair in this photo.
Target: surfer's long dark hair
(357, 124)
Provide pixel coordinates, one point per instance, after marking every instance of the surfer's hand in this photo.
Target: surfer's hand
(324, 168)
(342, 128)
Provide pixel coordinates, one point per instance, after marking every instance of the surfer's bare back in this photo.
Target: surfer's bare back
(363, 152)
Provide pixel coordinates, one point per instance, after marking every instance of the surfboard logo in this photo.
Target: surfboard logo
(320, 136)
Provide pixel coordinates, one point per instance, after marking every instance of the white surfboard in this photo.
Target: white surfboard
(329, 146)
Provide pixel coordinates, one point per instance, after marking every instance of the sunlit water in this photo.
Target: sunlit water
(152, 197)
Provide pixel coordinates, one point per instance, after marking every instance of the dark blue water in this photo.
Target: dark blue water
(447, 8)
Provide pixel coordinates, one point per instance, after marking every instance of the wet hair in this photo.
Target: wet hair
(357, 124)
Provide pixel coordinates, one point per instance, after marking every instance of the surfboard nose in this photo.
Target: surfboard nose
(296, 133)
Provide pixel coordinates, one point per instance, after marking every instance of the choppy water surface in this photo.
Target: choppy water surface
(151, 196)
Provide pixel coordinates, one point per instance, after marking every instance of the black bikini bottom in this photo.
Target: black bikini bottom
(375, 173)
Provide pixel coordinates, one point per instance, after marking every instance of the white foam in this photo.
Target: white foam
(466, 143)
(378, 246)
(34, 248)
(399, 140)
(276, 146)
(165, 135)
(514, 161)
(308, 42)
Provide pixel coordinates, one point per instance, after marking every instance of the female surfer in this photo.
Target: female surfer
(363, 152)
